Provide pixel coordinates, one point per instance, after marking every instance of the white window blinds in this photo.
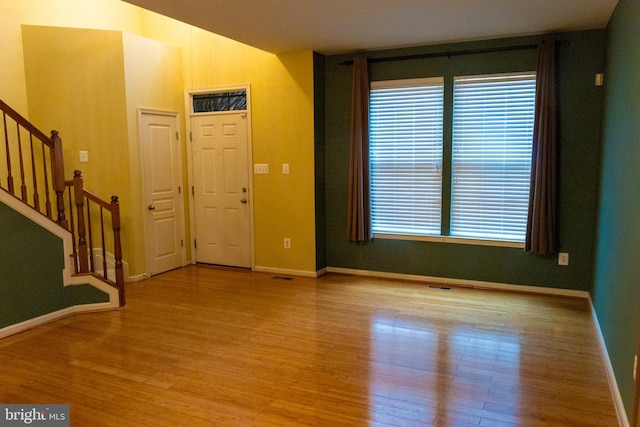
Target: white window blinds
(492, 136)
(405, 132)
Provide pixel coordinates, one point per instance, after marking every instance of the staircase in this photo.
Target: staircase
(32, 171)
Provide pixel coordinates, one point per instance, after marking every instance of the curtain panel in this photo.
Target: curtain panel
(541, 236)
(359, 205)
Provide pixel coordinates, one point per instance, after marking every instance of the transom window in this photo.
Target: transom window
(220, 101)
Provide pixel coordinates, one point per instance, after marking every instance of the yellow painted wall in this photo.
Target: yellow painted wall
(75, 84)
(153, 79)
(94, 14)
(282, 132)
(282, 111)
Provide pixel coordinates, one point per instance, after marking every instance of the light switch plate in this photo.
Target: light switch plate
(84, 156)
(261, 168)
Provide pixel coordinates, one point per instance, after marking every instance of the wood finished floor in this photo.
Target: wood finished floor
(206, 347)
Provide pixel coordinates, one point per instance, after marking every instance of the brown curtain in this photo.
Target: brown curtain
(359, 218)
(541, 223)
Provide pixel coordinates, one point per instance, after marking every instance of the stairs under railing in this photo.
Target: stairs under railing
(33, 166)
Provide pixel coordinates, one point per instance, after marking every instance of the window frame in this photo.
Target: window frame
(447, 180)
(436, 84)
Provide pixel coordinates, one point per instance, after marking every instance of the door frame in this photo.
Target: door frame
(180, 209)
(188, 102)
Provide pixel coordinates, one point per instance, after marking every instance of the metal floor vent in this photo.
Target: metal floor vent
(442, 288)
(282, 278)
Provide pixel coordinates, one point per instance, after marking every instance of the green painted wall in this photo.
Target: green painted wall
(579, 121)
(27, 292)
(616, 292)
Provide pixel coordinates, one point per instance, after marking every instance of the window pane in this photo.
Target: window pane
(405, 125)
(492, 137)
(220, 101)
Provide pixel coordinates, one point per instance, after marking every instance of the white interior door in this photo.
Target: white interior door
(221, 189)
(162, 192)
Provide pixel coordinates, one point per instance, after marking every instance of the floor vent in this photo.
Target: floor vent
(282, 278)
(442, 288)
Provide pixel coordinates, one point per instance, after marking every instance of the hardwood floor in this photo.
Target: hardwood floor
(206, 347)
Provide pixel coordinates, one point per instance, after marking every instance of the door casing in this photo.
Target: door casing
(189, 109)
(180, 207)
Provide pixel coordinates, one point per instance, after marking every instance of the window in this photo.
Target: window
(492, 129)
(405, 131)
(220, 101)
(492, 136)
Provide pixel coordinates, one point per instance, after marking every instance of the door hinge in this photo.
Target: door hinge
(195, 243)
(179, 190)
(177, 137)
(193, 192)
(190, 136)
(181, 242)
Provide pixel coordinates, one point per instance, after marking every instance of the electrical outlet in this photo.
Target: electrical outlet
(285, 168)
(563, 258)
(287, 243)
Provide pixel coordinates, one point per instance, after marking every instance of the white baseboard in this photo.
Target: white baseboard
(462, 282)
(67, 272)
(611, 375)
(137, 278)
(284, 271)
(50, 317)
(98, 259)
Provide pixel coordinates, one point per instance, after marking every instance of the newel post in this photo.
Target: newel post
(115, 221)
(57, 171)
(78, 195)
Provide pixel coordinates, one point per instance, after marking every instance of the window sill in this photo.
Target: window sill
(448, 239)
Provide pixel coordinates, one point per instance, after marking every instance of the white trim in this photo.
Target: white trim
(496, 77)
(451, 239)
(181, 210)
(188, 98)
(463, 282)
(284, 271)
(50, 317)
(321, 272)
(137, 278)
(418, 82)
(623, 420)
(111, 264)
(68, 278)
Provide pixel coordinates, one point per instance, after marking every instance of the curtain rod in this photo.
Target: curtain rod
(455, 53)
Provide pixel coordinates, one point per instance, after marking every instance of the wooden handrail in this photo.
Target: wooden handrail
(47, 171)
(84, 241)
(25, 123)
(38, 171)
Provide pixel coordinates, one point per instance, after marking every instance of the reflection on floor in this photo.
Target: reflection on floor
(204, 347)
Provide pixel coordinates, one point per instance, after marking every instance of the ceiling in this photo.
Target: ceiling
(335, 26)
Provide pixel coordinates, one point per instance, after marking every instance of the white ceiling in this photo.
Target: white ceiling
(334, 26)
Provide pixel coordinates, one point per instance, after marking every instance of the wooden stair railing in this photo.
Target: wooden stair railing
(45, 164)
(42, 186)
(88, 209)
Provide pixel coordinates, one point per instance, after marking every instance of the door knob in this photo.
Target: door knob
(244, 200)
(151, 208)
